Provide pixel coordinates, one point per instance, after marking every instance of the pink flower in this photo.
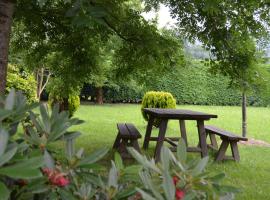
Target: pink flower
(55, 177)
(179, 194)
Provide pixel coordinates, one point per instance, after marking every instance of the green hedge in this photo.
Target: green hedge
(192, 84)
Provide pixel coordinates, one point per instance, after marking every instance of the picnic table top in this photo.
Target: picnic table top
(178, 114)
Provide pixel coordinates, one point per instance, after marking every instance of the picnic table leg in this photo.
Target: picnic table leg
(202, 138)
(183, 130)
(161, 136)
(148, 132)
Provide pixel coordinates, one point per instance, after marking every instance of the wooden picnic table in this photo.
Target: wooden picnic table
(175, 114)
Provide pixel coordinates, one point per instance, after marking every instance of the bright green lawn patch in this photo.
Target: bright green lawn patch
(252, 174)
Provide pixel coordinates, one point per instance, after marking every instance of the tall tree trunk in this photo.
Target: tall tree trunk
(244, 114)
(99, 95)
(6, 13)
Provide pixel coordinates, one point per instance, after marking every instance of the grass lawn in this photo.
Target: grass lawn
(252, 174)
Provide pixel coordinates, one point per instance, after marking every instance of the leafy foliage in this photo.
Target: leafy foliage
(58, 92)
(174, 177)
(22, 81)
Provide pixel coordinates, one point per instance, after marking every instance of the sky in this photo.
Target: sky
(164, 18)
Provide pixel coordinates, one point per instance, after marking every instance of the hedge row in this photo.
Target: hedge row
(192, 84)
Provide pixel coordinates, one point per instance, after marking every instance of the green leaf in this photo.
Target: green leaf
(45, 117)
(49, 161)
(4, 114)
(20, 173)
(4, 192)
(118, 161)
(3, 141)
(25, 169)
(10, 100)
(113, 176)
(217, 178)
(165, 158)
(145, 196)
(7, 156)
(182, 151)
(94, 157)
(200, 166)
(168, 185)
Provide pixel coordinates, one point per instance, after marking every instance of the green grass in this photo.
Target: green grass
(252, 174)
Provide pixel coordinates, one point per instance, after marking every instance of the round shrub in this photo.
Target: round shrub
(155, 99)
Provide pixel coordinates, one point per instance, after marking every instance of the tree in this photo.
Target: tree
(77, 38)
(6, 13)
(225, 29)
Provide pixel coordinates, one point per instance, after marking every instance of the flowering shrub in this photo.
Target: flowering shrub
(176, 178)
(55, 177)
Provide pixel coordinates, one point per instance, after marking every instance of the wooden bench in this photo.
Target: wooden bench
(128, 135)
(227, 138)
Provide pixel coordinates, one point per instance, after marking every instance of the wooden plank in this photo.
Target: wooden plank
(148, 132)
(123, 130)
(170, 138)
(222, 150)
(235, 152)
(221, 132)
(161, 136)
(178, 114)
(183, 130)
(202, 138)
(189, 149)
(133, 131)
(171, 142)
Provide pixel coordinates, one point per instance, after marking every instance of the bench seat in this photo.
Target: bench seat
(227, 138)
(128, 135)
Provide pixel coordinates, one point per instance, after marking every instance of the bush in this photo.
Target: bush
(22, 81)
(73, 102)
(154, 99)
(59, 94)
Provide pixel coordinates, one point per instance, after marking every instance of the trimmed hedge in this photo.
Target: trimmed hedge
(192, 84)
(155, 99)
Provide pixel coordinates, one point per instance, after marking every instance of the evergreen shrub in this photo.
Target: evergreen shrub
(155, 99)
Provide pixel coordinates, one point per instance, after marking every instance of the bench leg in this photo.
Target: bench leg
(117, 141)
(202, 138)
(148, 132)
(161, 136)
(235, 152)
(222, 150)
(135, 145)
(183, 130)
(213, 140)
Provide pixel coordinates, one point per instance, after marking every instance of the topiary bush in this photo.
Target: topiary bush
(155, 99)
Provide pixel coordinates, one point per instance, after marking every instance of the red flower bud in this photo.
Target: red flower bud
(179, 194)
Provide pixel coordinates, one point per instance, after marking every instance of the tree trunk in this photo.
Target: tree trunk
(244, 114)
(99, 95)
(6, 13)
